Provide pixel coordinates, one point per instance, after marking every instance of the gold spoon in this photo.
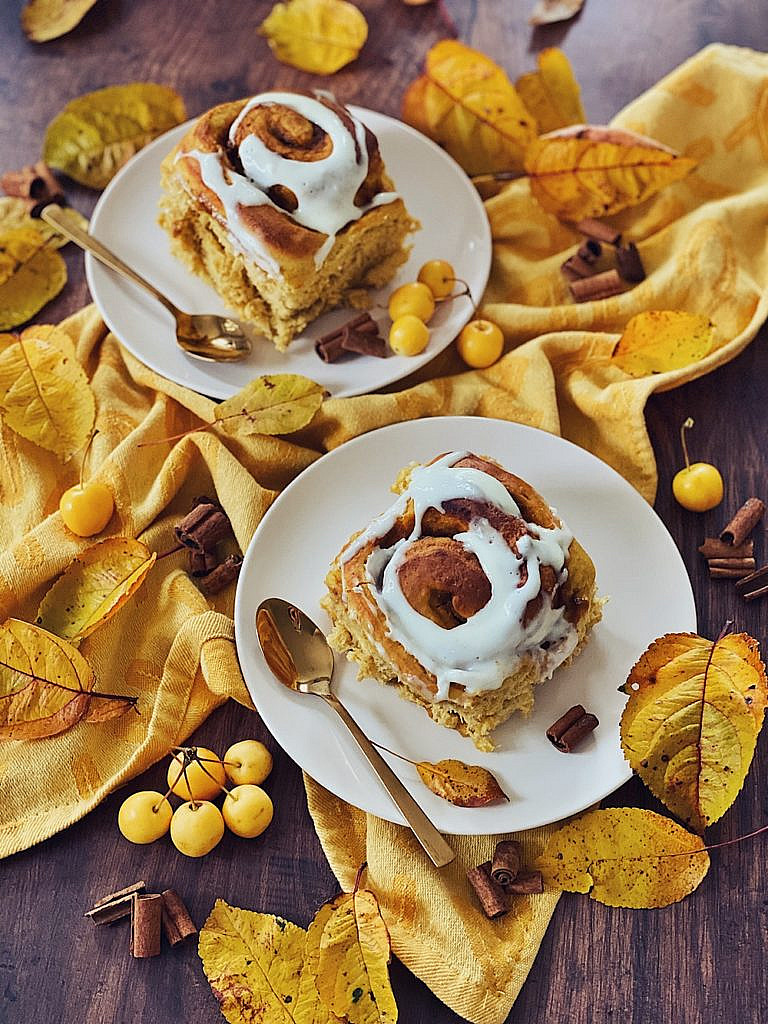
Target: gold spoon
(205, 335)
(299, 655)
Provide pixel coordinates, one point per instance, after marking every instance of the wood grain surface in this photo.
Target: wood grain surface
(699, 962)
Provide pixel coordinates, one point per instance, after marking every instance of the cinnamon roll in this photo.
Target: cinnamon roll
(283, 204)
(465, 593)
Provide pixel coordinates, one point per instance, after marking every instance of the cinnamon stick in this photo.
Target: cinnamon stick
(576, 267)
(505, 865)
(713, 547)
(754, 578)
(364, 343)
(728, 574)
(201, 562)
(146, 917)
(743, 522)
(203, 527)
(127, 891)
(731, 563)
(35, 183)
(329, 346)
(629, 263)
(112, 912)
(527, 883)
(590, 250)
(222, 575)
(598, 231)
(177, 924)
(599, 286)
(571, 728)
(493, 899)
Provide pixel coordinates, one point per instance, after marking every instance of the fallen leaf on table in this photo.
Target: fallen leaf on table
(467, 104)
(95, 134)
(663, 339)
(14, 213)
(548, 11)
(94, 587)
(551, 93)
(691, 723)
(31, 274)
(352, 971)
(625, 857)
(310, 1008)
(594, 171)
(46, 685)
(277, 403)
(42, 20)
(320, 36)
(466, 785)
(44, 392)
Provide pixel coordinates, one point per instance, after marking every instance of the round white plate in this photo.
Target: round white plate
(436, 191)
(639, 570)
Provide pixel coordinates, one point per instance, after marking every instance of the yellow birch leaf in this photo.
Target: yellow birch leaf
(352, 971)
(690, 725)
(46, 685)
(94, 587)
(467, 104)
(552, 94)
(320, 36)
(310, 1008)
(546, 12)
(594, 171)
(31, 274)
(663, 339)
(14, 213)
(466, 785)
(625, 857)
(95, 134)
(42, 20)
(44, 392)
(273, 404)
(253, 964)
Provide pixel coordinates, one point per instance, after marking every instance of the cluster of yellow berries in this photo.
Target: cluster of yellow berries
(198, 776)
(411, 307)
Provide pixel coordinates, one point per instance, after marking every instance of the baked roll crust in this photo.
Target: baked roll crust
(465, 594)
(283, 204)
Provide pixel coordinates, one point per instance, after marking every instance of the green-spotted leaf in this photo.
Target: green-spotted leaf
(44, 392)
(95, 134)
(94, 587)
(273, 404)
(31, 274)
(625, 857)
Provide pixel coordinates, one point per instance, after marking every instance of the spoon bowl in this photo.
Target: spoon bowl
(203, 335)
(297, 653)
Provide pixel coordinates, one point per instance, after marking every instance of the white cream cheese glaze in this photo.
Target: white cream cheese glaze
(325, 189)
(481, 652)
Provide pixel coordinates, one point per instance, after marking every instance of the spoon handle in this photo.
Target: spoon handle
(54, 215)
(438, 850)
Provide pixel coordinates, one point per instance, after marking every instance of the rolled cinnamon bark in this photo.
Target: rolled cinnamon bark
(571, 728)
(629, 263)
(203, 527)
(599, 286)
(598, 231)
(713, 547)
(744, 521)
(505, 865)
(177, 924)
(493, 899)
(146, 917)
(527, 883)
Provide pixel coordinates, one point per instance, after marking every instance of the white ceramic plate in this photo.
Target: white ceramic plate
(639, 570)
(436, 191)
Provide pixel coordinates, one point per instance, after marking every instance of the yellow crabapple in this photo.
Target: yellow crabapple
(408, 335)
(144, 816)
(202, 780)
(196, 828)
(247, 810)
(247, 761)
(480, 343)
(415, 298)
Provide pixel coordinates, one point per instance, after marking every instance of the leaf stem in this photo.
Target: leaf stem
(687, 424)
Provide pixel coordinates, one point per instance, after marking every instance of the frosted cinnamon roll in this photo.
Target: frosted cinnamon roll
(283, 204)
(465, 593)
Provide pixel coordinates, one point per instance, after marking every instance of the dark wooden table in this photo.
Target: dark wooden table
(699, 962)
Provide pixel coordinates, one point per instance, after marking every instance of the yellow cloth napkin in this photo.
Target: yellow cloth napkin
(703, 243)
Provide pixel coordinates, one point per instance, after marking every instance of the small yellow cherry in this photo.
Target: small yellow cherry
(86, 508)
(408, 335)
(414, 298)
(203, 778)
(480, 343)
(699, 486)
(439, 277)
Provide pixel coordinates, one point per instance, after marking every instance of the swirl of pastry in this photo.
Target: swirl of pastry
(469, 568)
(287, 165)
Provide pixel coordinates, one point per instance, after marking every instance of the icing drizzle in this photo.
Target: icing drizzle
(481, 652)
(325, 189)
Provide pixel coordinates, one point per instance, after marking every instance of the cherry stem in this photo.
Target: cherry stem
(85, 456)
(687, 424)
(178, 437)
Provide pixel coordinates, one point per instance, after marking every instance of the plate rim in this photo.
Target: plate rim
(241, 626)
(220, 389)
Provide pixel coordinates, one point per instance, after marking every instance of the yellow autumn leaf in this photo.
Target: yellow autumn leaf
(276, 403)
(310, 1008)
(42, 20)
(663, 339)
(466, 785)
(551, 93)
(320, 36)
(44, 392)
(625, 857)
(690, 725)
(95, 134)
(94, 587)
(467, 104)
(352, 971)
(594, 171)
(46, 685)
(14, 213)
(31, 274)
